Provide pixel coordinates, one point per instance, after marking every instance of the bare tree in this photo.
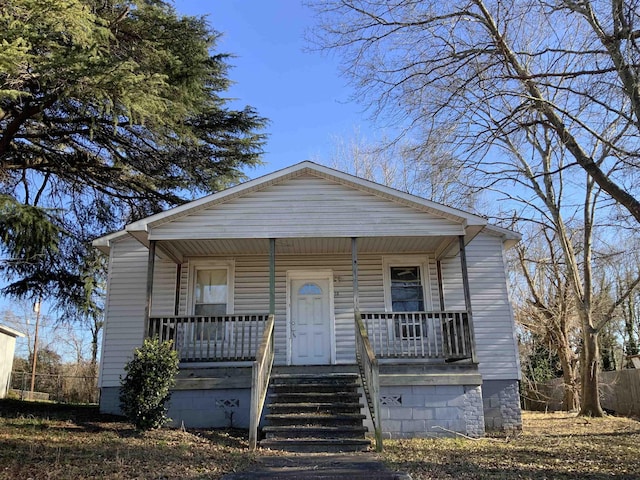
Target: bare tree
(548, 308)
(568, 65)
(532, 93)
(426, 167)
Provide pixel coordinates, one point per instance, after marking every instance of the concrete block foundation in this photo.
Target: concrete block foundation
(502, 405)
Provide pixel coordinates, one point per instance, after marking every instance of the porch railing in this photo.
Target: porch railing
(211, 339)
(261, 372)
(368, 366)
(437, 335)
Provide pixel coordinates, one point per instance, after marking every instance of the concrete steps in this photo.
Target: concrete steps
(315, 412)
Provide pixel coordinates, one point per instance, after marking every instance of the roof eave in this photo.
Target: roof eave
(10, 331)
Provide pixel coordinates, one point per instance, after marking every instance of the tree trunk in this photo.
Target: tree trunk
(590, 374)
(571, 395)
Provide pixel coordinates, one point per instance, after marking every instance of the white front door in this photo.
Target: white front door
(310, 322)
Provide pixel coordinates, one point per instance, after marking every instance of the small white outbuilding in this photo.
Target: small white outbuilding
(7, 348)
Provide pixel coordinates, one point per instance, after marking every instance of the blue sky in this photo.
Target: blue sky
(301, 93)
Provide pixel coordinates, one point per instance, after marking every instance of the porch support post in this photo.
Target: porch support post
(176, 302)
(354, 269)
(150, 268)
(440, 287)
(272, 276)
(467, 295)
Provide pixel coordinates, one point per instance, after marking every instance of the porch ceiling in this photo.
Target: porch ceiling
(294, 246)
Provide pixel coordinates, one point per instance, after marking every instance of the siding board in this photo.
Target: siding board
(306, 206)
(125, 305)
(492, 315)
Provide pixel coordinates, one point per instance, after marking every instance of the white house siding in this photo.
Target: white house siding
(452, 288)
(305, 206)
(492, 314)
(125, 304)
(7, 346)
(163, 299)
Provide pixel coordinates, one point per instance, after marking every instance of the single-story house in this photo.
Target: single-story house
(310, 273)
(7, 349)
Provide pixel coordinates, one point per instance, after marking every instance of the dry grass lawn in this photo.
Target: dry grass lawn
(39, 441)
(76, 443)
(551, 446)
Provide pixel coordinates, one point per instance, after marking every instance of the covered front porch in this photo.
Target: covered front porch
(314, 300)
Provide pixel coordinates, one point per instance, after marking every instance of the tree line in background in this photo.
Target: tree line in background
(538, 104)
(66, 368)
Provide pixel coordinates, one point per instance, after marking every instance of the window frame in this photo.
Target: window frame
(228, 265)
(420, 261)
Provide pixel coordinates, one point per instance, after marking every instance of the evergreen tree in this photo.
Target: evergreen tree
(110, 110)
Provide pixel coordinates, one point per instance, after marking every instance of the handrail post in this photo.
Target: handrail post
(369, 374)
(260, 374)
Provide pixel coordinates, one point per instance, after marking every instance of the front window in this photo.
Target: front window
(405, 283)
(407, 293)
(211, 292)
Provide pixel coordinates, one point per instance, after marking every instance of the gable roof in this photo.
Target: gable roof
(141, 228)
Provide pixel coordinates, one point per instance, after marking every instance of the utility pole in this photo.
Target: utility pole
(36, 308)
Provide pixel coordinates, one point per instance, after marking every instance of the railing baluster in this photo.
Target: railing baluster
(456, 340)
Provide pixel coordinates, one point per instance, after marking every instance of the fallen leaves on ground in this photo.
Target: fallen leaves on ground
(551, 446)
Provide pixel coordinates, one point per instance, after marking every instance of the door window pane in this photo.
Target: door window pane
(310, 289)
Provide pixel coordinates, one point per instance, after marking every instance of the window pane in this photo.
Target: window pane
(310, 289)
(210, 309)
(411, 292)
(407, 293)
(211, 292)
(405, 274)
(211, 286)
(417, 306)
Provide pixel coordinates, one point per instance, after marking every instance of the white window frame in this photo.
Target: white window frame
(228, 265)
(420, 261)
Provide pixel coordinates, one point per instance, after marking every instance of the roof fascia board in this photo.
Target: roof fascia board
(391, 193)
(104, 243)
(10, 331)
(231, 192)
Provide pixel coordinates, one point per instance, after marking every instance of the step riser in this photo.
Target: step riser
(296, 433)
(284, 408)
(312, 397)
(325, 422)
(314, 388)
(323, 447)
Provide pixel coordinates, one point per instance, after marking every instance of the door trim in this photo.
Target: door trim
(311, 275)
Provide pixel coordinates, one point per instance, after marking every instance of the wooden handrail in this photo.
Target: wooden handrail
(260, 373)
(369, 373)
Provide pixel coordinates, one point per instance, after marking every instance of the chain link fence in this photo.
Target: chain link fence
(59, 388)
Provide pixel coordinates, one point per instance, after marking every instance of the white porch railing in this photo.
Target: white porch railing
(437, 335)
(261, 372)
(211, 339)
(369, 373)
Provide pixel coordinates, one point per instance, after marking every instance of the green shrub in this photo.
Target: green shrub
(145, 389)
